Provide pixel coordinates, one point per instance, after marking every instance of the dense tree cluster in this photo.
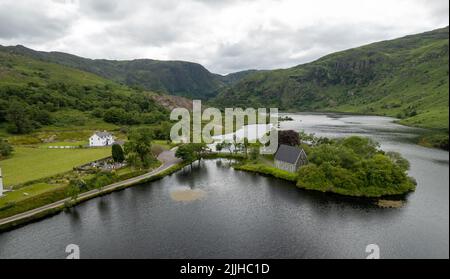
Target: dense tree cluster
(25, 108)
(354, 166)
(288, 137)
(138, 148)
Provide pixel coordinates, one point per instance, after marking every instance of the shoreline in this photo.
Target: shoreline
(21, 219)
(424, 139)
(167, 168)
(40, 213)
(294, 183)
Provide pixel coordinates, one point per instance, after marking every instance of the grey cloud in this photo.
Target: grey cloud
(115, 10)
(439, 10)
(159, 30)
(221, 3)
(99, 6)
(29, 24)
(150, 35)
(104, 9)
(176, 29)
(268, 49)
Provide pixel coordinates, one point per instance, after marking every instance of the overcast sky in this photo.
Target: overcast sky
(223, 35)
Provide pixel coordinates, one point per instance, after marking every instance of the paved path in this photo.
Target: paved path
(167, 158)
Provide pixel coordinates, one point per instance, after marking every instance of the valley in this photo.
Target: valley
(56, 99)
(406, 78)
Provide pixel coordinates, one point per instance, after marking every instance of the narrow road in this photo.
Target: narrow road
(166, 157)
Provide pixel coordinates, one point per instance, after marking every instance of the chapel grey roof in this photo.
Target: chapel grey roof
(288, 154)
(103, 134)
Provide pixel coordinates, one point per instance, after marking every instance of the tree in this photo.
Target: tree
(41, 116)
(74, 188)
(190, 152)
(120, 116)
(228, 145)
(219, 147)
(224, 145)
(139, 147)
(132, 158)
(5, 148)
(399, 160)
(162, 131)
(289, 137)
(101, 181)
(19, 119)
(254, 153)
(238, 147)
(117, 153)
(115, 115)
(246, 144)
(185, 153)
(364, 147)
(199, 149)
(381, 172)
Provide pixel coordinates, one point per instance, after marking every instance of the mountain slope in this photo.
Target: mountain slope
(234, 78)
(405, 78)
(35, 94)
(173, 77)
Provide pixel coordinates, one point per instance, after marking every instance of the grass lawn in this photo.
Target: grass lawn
(27, 192)
(163, 144)
(34, 163)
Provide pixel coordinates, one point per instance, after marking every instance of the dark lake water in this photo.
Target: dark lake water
(241, 215)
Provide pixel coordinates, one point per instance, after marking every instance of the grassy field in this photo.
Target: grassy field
(35, 163)
(26, 192)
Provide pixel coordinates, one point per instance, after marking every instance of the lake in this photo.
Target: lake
(213, 211)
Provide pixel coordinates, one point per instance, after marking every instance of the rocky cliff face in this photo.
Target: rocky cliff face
(171, 102)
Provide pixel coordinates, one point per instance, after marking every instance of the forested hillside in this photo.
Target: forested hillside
(35, 94)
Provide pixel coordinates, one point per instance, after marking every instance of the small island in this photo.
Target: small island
(353, 166)
(285, 118)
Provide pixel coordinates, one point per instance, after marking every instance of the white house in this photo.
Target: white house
(101, 139)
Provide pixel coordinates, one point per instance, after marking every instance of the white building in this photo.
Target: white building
(101, 139)
(1, 183)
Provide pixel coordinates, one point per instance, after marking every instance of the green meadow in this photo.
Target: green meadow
(28, 164)
(27, 192)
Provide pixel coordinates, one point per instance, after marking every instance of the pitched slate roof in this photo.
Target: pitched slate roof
(288, 154)
(103, 134)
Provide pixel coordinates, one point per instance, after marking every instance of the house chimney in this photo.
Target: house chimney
(1, 183)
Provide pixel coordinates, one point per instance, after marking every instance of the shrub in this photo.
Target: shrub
(5, 148)
(313, 177)
(117, 153)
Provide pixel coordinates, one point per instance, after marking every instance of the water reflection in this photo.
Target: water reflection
(103, 206)
(73, 216)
